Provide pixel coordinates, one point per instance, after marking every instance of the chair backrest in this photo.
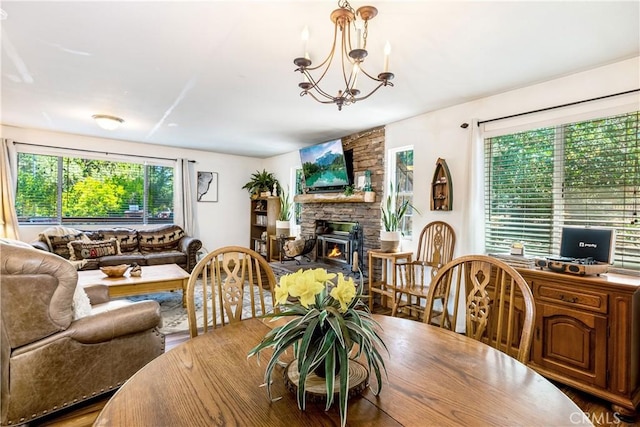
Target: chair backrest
(498, 304)
(435, 248)
(227, 285)
(436, 244)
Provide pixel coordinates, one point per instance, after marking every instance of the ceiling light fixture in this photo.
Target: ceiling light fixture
(107, 122)
(344, 19)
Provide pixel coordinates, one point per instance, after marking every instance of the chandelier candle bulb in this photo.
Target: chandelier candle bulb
(387, 53)
(305, 41)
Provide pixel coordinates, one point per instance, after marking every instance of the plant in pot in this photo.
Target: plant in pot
(262, 182)
(393, 210)
(282, 223)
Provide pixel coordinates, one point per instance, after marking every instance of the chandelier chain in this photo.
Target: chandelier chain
(365, 34)
(344, 4)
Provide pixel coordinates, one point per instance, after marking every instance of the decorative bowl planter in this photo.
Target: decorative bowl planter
(282, 228)
(389, 241)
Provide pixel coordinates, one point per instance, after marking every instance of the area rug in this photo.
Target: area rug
(174, 315)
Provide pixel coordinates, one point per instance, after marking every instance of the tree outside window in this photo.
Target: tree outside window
(54, 189)
(402, 181)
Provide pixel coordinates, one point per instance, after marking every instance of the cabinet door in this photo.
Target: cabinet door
(571, 342)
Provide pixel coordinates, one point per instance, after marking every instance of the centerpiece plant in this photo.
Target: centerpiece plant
(328, 321)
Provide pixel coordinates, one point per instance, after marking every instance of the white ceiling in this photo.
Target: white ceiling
(219, 75)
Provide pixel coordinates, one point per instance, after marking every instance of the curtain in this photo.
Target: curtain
(474, 215)
(473, 220)
(8, 174)
(184, 190)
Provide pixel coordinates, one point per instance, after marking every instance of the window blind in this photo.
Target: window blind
(584, 173)
(77, 190)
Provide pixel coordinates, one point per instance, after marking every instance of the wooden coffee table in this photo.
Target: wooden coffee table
(155, 278)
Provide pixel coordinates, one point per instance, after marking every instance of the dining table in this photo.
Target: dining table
(434, 377)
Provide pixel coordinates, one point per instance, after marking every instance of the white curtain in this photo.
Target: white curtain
(184, 189)
(8, 175)
(474, 216)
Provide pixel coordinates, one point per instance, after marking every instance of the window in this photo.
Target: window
(581, 174)
(55, 190)
(402, 180)
(299, 189)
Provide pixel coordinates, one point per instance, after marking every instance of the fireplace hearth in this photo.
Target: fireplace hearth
(339, 242)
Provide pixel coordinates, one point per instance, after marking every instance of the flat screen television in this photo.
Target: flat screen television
(324, 167)
(581, 242)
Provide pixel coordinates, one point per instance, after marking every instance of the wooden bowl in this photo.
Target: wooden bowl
(115, 270)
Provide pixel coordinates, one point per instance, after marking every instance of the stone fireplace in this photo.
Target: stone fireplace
(368, 153)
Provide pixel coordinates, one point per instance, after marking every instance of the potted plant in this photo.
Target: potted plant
(393, 210)
(325, 321)
(282, 223)
(261, 183)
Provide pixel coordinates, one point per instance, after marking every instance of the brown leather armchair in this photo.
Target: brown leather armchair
(50, 361)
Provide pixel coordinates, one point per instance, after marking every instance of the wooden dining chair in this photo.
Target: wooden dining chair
(228, 285)
(435, 248)
(496, 302)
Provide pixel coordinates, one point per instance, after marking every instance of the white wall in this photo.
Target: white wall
(219, 224)
(438, 134)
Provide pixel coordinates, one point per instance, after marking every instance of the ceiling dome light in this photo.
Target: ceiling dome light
(107, 122)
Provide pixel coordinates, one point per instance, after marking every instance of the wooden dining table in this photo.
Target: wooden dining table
(435, 377)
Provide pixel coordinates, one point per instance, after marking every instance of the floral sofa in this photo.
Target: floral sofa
(91, 249)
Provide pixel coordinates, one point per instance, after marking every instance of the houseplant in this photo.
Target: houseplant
(262, 182)
(282, 223)
(393, 210)
(327, 320)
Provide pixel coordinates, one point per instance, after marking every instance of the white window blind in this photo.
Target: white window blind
(584, 173)
(56, 189)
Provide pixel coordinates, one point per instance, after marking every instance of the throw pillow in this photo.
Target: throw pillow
(93, 249)
(127, 237)
(160, 239)
(81, 304)
(60, 244)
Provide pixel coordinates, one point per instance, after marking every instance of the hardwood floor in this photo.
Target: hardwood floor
(598, 411)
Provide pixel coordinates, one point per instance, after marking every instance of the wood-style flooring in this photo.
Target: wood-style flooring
(598, 411)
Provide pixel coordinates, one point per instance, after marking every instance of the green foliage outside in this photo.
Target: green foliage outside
(90, 189)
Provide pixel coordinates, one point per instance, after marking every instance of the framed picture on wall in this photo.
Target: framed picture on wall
(207, 186)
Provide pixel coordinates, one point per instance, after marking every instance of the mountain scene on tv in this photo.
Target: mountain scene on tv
(323, 165)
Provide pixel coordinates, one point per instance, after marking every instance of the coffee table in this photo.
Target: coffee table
(154, 278)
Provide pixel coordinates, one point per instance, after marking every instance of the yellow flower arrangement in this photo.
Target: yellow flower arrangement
(328, 319)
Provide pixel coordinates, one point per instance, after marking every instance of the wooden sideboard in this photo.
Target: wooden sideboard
(587, 334)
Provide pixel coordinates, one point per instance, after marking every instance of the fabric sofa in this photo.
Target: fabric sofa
(54, 354)
(91, 249)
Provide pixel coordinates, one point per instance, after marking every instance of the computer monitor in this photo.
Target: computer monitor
(582, 242)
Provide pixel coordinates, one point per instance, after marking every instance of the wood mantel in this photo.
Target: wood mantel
(335, 198)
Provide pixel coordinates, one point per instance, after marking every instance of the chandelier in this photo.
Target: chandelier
(352, 59)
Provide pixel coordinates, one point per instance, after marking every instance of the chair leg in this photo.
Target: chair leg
(396, 303)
